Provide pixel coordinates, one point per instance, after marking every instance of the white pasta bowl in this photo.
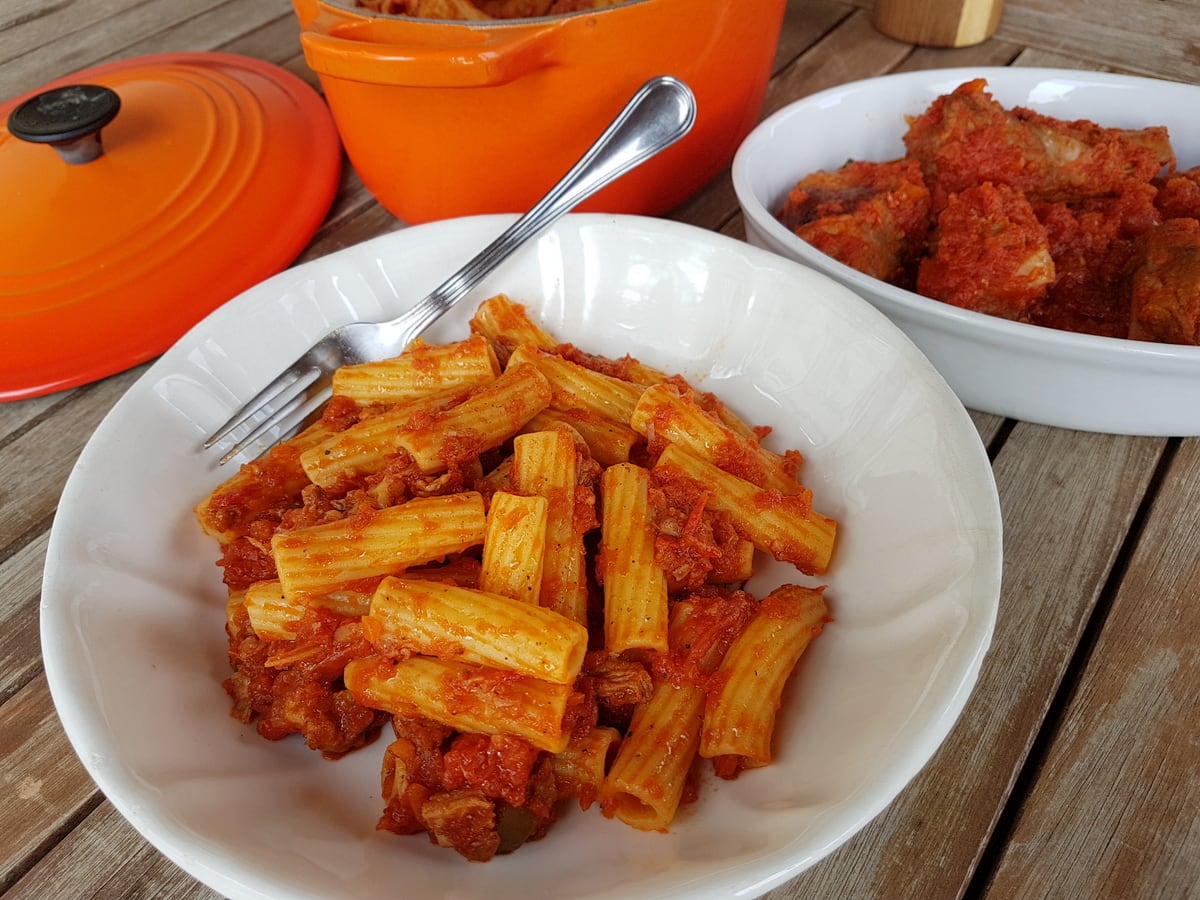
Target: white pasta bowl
(1008, 368)
(133, 608)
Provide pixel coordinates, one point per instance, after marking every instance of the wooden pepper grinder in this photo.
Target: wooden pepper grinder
(938, 23)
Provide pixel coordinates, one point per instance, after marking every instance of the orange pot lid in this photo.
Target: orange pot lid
(214, 172)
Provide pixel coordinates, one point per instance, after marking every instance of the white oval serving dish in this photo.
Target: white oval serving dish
(994, 365)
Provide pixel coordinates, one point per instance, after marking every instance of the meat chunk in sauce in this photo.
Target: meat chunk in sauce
(1033, 218)
(871, 216)
(989, 253)
(967, 137)
(1165, 284)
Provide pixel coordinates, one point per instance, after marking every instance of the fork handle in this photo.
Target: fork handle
(660, 113)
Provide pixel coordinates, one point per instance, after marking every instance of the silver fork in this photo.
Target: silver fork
(659, 113)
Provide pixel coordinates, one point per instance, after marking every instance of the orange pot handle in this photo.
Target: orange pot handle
(306, 10)
(439, 55)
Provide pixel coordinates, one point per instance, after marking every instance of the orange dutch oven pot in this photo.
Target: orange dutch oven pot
(444, 119)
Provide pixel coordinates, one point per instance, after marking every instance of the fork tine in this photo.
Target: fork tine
(286, 387)
(289, 417)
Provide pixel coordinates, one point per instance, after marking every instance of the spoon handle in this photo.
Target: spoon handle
(660, 113)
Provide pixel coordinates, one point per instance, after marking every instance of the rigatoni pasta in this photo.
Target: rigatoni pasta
(313, 561)
(422, 369)
(645, 784)
(413, 616)
(530, 564)
(739, 720)
(514, 546)
(483, 421)
(544, 465)
(475, 699)
(636, 609)
(784, 525)
(665, 414)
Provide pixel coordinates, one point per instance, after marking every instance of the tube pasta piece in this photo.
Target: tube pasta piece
(274, 617)
(580, 768)
(784, 525)
(635, 588)
(546, 420)
(733, 567)
(506, 325)
(514, 547)
(258, 487)
(365, 447)
(464, 696)
(663, 413)
(422, 369)
(544, 465)
(236, 620)
(498, 479)
(485, 420)
(626, 368)
(608, 442)
(740, 716)
(271, 616)
(645, 784)
(451, 622)
(575, 387)
(460, 570)
(345, 602)
(731, 419)
(314, 560)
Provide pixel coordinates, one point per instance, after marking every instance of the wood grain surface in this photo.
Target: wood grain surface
(1074, 771)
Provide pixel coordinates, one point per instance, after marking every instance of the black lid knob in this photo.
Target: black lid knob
(69, 118)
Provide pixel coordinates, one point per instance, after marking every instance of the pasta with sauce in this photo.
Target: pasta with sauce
(461, 554)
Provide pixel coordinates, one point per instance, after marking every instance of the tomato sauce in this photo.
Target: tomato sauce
(1032, 218)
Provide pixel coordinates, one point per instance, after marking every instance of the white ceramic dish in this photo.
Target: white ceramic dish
(994, 365)
(133, 608)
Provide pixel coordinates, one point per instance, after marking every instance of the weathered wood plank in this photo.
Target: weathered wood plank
(105, 857)
(45, 787)
(27, 27)
(83, 35)
(804, 25)
(216, 28)
(1068, 498)
(1074, 496)
(1115, 810)
(41, 458)
(850, 51)
(20, 587)
(18, 414)
(1159, 39)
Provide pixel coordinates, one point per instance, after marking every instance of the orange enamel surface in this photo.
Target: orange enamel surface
(446, 119)
(216, 173)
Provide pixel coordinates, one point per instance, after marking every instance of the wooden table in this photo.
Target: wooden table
(1074, 771)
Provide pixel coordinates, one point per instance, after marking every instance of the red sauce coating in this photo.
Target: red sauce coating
(1178, 195)
(294, 687)
(1165, 283)
(1033, 218)
(872, 216)
(988, 252)
(478, 794)
(497, 765)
